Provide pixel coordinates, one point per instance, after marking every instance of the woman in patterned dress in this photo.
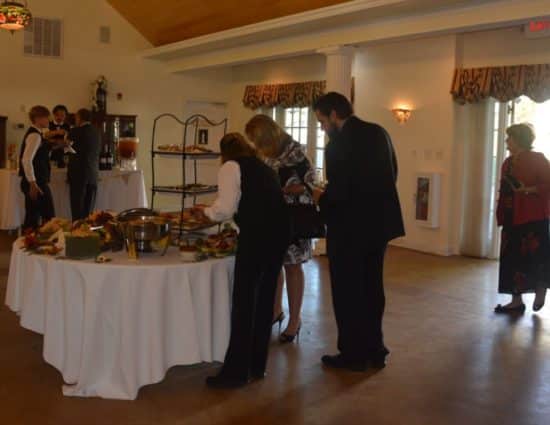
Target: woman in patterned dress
(286, 156)
(523, 212)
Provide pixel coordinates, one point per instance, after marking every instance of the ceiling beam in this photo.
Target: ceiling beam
(187, 57)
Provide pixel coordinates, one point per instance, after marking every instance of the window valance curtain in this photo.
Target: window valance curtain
(284, 95)
(503, 83)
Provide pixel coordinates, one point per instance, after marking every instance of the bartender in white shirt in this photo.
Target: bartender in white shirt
(250, 192)
(35, 170)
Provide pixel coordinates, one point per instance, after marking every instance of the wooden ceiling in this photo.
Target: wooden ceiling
(169, 21)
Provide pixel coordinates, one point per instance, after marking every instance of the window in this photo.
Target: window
(296, 124)
(43, 37)
(302, 125)
(525, 110)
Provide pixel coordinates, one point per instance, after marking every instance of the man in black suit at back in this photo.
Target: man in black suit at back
(59, 122)
(363, 213)
(83, 165)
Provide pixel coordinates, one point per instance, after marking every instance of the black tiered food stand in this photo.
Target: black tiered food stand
(193, 123)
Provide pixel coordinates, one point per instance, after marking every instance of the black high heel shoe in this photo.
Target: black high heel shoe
(500, 309)
(287, 338)
(538, 306)
(279, 319)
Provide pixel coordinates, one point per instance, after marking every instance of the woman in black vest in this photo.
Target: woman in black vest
(250, 192)
(35, 170)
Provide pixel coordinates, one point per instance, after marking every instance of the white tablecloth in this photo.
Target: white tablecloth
(113, 328)
(117, 190)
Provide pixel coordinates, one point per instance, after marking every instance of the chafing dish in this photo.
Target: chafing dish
(144, 230)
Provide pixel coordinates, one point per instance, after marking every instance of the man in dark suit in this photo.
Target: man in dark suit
(59, 122)
(363, 213)
(83, 165)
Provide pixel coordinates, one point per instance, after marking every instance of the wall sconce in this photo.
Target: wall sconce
(402, 115)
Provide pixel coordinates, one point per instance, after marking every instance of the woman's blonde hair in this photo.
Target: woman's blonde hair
(266, 135)
(523, 135)
(234, 145)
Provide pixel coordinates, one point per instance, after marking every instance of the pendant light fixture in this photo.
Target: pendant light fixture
(14, 16)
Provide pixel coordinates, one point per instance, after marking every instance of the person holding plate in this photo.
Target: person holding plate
(250, 193)
(287, 157)
(523, 212)
(60, 127)
(363, 213)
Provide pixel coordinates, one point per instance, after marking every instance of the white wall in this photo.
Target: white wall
(416, 74)
(503, 47)
(148, 88)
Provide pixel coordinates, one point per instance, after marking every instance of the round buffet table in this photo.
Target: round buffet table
(112, 328)
(117, 190)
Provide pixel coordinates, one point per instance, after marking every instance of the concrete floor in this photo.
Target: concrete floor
(453, 362)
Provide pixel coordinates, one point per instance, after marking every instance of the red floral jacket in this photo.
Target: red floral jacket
(531, 169)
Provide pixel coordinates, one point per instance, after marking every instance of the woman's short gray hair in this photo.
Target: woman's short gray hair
(523, 134)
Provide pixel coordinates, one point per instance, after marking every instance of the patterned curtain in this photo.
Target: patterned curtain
(284, 95)
(502, 83)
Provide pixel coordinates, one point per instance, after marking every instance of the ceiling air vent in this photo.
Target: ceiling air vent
(105, 34)
(44, 37)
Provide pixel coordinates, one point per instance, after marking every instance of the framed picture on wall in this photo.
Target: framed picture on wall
(427, 199)
(203, 136)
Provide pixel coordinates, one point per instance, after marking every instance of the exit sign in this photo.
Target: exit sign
(537, 29)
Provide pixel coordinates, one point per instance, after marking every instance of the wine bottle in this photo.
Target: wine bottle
(110, 158)
(103, 159)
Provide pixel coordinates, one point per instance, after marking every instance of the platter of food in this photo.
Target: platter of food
(104, 231)
(191, 189)
(220, 245)
(175, 149)
(81, 239)
(190, 220)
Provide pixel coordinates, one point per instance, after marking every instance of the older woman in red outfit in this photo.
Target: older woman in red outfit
(523, 212)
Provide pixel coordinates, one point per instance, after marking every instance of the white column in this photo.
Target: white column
(338, 77)
(339, 68)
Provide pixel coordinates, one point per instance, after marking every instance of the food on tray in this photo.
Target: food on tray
(221, 244)
(171, 148)
(48, 250)
(82, 229)
(32, 242)
(100, 218)
(99, 229)
(188, 253)
(45, 240)
(190, 219)
(54, 225)
(197, 150)
(192, 150)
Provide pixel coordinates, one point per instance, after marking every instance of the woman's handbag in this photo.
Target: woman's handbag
(306, 221)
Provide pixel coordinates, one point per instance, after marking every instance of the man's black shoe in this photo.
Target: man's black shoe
(223, 382)
(340, 362)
